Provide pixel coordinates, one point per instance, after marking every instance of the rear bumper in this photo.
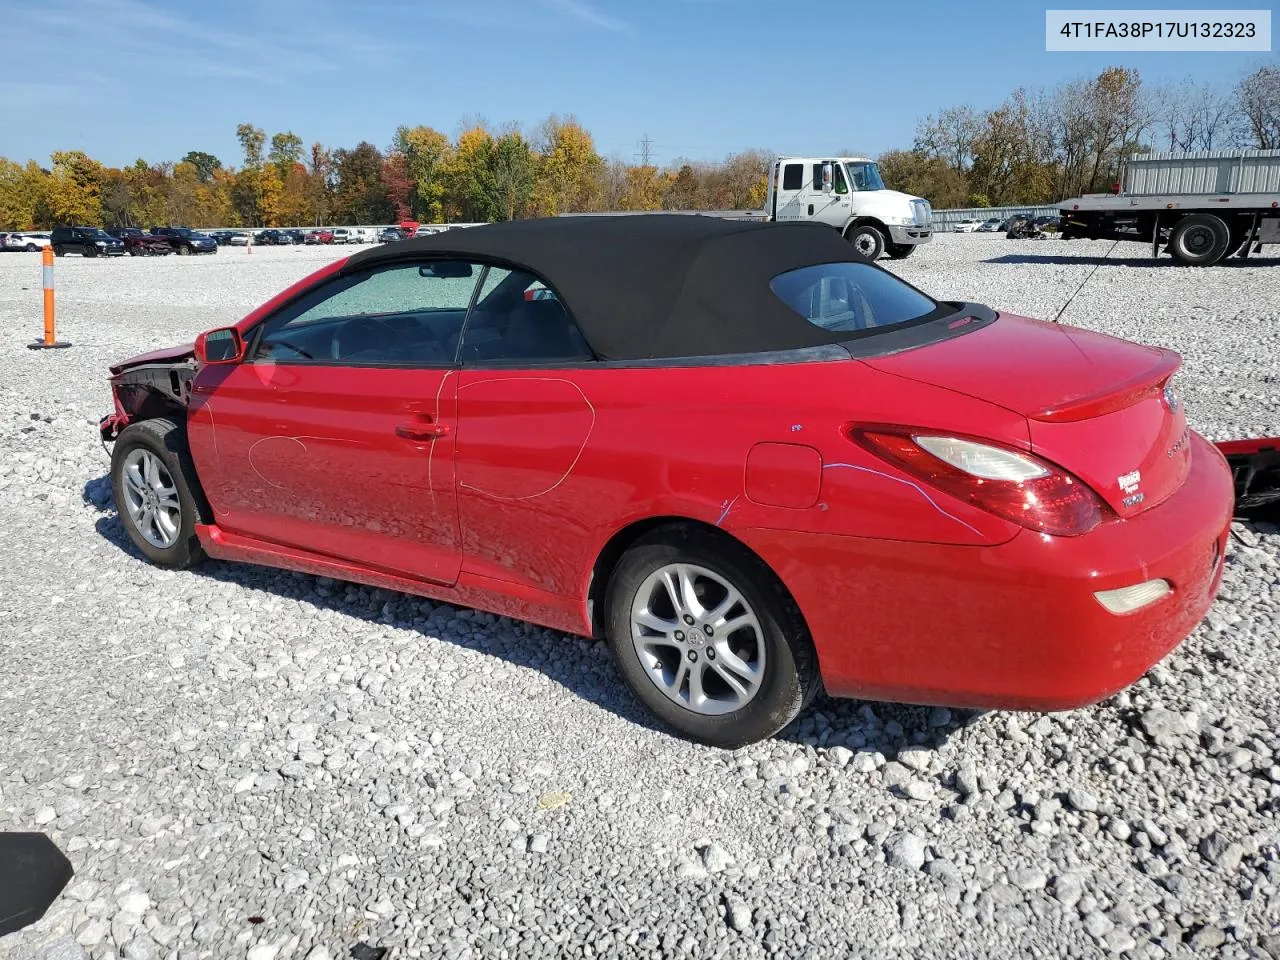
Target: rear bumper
(909, 234)
(1014, 626)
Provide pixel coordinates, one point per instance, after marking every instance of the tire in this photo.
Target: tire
(88, 251)
(866, 240)
(59, 250)
(775, 640)
(184, 250)
(900, 251)
(169, 540)
(133, 251)
(31, 248)
(1199, 240)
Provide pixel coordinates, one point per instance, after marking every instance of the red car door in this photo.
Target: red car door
(336, 435)
(523, 422)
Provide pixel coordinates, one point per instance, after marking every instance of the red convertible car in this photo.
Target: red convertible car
(755, 463)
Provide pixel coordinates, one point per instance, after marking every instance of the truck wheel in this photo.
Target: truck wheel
(900, 251)
(1199, 240)
(866, 240)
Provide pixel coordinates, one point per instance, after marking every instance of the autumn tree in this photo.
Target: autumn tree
(361, 194)
(22, 191)
(566, 170)
(73, 190)
(931, 177)
(426, 154)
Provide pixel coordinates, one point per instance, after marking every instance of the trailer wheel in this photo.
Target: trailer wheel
(866, 240)
(1200, 240)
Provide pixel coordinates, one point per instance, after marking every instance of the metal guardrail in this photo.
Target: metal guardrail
(945, 220)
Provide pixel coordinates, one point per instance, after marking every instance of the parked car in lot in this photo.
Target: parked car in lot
(1048, 224)
(342, 235)
(139, 244)
(880, 502)
(970, 225)
(270, 238)
(185, 241)
(296, 236)
(238, 239)
(221, 237)
(319, 236)
(994, 225)
(86, 241)
(390, 234)
(30, 242)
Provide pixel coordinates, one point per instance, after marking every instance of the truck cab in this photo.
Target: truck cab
(848, 194)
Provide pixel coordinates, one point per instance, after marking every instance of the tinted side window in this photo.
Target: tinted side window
(850, 297)
(519, 320)
(403, 315)
(793, 176)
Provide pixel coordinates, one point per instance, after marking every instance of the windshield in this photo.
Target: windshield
(98, 234)
(851, 297)
(864, 175)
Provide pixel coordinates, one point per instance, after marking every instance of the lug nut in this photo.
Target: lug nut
(707, 629)
(711, 653)
(693, 656)
(679, 634)
(688, 619)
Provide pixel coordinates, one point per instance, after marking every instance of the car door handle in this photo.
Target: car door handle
(422, 431)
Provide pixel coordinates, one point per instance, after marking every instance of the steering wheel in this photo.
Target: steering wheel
(375, 329)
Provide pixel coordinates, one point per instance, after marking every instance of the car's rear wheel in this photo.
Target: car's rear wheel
(867, 240)
(708, 638)
(58, 250)
(31, 248)
(183, 250)
(152, 480)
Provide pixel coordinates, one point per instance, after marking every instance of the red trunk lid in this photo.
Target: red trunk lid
(1095, 405)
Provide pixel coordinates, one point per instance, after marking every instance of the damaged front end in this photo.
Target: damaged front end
(1255, 468)
(156, 384)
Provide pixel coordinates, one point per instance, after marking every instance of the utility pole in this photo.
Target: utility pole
(645, 152)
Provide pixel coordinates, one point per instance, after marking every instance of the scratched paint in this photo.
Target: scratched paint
(914, 486)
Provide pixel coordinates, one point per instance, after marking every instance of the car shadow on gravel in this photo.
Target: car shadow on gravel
(828, 722)
(1068, 260)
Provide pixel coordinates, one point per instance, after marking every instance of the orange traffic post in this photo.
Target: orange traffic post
(50, 340)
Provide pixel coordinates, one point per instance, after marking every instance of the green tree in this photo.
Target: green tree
(286, 150)
(74, 188)
(252, 140)
(204, 164)
(426, 155)
(362, 196)
(22, 191)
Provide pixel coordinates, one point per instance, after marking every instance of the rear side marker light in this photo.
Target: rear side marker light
(1129, 599)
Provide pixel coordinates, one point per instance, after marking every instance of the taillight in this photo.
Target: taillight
(1013, 485)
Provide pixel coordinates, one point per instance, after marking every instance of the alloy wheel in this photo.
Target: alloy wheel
(151, 498)
(698, 640)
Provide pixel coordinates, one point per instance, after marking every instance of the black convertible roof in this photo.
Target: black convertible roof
(654, 286)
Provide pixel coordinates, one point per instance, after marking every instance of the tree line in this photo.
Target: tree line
(1041, 146)
(1036, 147)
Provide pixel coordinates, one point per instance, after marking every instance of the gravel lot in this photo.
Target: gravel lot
(248, 763)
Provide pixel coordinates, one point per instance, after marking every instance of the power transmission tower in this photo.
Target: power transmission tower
(645, 152)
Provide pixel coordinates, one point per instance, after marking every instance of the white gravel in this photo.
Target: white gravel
(248, 763)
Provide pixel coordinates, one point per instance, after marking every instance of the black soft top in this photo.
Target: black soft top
(657, 285)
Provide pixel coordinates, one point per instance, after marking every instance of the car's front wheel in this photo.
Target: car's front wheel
(152, 480)
(708, 638)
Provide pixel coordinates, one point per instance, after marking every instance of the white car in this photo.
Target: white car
(966, 226)
(238, 240)
(991, 226)
(343, 235)
(26, 241)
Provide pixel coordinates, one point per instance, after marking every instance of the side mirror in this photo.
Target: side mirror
(219, 346)
(32, 873)
(826, 178)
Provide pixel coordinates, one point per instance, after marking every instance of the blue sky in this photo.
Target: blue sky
(121, 79)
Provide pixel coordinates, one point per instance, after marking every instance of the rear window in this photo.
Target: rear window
(850, 297)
